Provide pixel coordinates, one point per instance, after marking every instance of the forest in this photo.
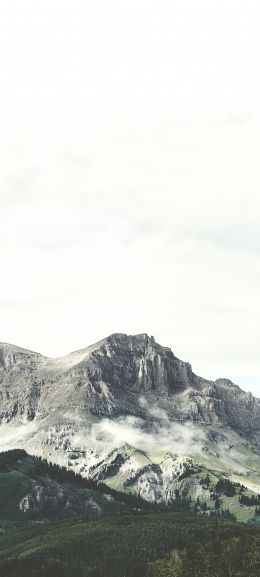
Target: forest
(128, 538)
(140, 544)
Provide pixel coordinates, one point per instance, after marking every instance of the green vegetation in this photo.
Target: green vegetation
(131, 538)
(133, 545)
(20, 473)
(236, 557)
(226, 487)
(250, 501)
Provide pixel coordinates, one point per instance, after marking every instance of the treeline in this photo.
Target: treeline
(9, 458)
(37, 468)
(250, 501)
(226, 487)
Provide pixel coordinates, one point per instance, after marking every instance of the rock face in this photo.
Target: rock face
(100, 379)
(108, 379)
(124, 391)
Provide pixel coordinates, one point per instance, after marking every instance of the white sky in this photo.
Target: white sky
(130, 177)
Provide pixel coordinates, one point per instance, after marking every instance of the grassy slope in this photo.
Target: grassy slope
(193, 488)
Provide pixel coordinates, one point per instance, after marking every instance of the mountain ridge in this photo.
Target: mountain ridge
(128, 410)
(110, 338)
(149, 367)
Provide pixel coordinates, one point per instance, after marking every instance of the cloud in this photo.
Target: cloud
(160, 436)
(12, 437)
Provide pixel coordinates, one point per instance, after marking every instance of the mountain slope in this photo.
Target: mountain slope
(33, 489)
(127, 411)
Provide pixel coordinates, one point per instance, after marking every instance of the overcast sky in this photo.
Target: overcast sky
(130, 177)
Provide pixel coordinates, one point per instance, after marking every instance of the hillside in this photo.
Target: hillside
(129, 545)
(33, 490)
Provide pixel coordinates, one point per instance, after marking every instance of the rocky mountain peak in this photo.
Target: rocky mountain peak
(131, 342)
(138, 364)
(108, 378)
(107, 411)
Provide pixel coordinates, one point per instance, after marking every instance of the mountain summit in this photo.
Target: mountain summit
(107, 379)
(126, 409)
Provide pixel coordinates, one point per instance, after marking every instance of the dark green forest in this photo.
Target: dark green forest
(129, 538)
(133, 545)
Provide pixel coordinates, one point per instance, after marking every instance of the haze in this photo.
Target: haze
(129, 178)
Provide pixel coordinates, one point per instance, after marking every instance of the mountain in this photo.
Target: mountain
(128, 412)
